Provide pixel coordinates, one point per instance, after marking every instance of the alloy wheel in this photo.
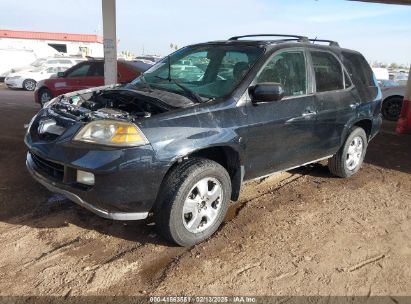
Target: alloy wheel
(354, 153)
(202, 205)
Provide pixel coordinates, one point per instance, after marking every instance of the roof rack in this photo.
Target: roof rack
(299, 38)
(331, 42)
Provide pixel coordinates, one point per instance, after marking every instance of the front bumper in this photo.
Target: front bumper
(12, 83)
(50, 185)
(126, 181)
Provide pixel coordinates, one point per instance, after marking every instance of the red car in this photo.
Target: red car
(87, 74)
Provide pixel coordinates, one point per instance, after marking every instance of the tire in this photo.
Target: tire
(391, 108)
(44, 96)
(346, 161)
(29, 84)
(181, 215)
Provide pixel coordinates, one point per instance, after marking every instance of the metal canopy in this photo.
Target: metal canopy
(402, 2)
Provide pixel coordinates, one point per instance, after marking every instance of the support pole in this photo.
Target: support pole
(110, 41)
(404, 122)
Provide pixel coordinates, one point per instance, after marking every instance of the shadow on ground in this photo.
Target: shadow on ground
(390, 150)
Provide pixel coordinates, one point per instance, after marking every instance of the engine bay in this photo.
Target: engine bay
(121, 104)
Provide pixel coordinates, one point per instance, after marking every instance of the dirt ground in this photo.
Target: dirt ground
(302, 232)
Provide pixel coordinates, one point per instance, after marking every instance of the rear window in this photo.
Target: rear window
(328, 72)
(361, 75)
(358, 68)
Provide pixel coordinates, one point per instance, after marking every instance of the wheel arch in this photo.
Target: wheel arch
(364, 123)
(40, 90)
(392, 96)
(226, 156)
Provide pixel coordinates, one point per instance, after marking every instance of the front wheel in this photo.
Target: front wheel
(348, 160)
(45, 95)
(29, 84)
(193, 202)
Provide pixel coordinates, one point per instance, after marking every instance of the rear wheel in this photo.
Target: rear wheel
(391, 108)
(29, 84)
(193, 202)
(44, 96)
(348, 160)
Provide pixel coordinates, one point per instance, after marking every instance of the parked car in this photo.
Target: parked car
(151, 59)
(46, 62)
(28, 79)
(10, 58)
(86, 74)
(181, 149)
(392, 96)
(401, 78)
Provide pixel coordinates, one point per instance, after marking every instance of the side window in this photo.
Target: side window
(79, 71)
(289, 69)
(97, 69)
(328, 72)
(52, 70)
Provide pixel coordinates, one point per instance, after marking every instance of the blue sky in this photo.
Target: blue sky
(381, 32)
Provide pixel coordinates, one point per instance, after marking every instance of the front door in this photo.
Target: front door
(281, 133)
(73, 79)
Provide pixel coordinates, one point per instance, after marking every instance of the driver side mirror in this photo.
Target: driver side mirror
(60, 74)
(266, 92)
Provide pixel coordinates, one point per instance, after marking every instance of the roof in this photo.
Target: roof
(50, 36)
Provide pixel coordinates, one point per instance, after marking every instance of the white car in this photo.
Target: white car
(392, 97)
(46, 62)
(27, 79)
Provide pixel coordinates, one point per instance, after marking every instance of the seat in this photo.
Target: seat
(239, 70)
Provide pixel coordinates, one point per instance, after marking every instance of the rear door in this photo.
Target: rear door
(335, 100)
(281, 133)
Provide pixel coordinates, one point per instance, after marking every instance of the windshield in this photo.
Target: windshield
(38, 62)
(211, 71)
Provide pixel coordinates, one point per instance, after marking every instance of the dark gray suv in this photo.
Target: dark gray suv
(180, 140)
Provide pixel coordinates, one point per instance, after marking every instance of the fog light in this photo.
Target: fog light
(86, 178)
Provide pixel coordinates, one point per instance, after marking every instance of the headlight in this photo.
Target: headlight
(112, 133)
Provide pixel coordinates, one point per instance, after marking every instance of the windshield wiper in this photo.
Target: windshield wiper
(193, 95)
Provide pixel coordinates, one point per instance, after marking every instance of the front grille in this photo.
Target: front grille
(49, 168)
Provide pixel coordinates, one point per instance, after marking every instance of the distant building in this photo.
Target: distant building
(68, 44)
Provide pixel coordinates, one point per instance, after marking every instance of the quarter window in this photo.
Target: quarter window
(288, 69)
(328, 72)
